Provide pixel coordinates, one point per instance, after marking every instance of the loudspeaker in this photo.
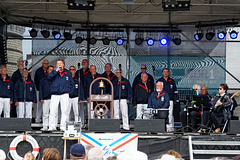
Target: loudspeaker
(15, 124)
(149, 125)
(104, 125)
(234, 126)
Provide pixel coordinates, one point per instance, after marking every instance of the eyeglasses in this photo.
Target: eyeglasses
(220, 89)
(71, 69)
(143, 68)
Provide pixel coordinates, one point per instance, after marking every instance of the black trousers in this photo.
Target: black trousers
(206, 118)
(193, 118)
(217, 119)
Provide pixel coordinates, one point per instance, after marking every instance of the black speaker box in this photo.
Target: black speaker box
(234, 126)
(104, 125)
(149, 125)
(15, 124)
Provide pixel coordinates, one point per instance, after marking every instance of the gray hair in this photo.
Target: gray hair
(95, 154)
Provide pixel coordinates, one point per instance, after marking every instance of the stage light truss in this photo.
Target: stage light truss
(175, 5)
(81, 4)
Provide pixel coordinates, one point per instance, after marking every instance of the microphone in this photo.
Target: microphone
(26, 64)
(78, 65)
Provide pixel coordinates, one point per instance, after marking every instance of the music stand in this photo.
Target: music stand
(201, 101)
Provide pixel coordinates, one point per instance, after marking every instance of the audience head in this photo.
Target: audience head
(95, 154)
(175, 154)
(167, 157)
(29, 156)
(2, 155)
(87, 148)
(77, 151)
(125, 156)
(51, 154)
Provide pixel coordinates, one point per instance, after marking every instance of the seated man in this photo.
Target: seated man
(159, 98)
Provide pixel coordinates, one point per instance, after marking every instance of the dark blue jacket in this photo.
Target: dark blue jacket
(126, 89)
(75, 89)
(30, 91)
(6, 88)
(111, 77)
(83, 75)
(95, 89)
(170, 87)
(17, 75)
(158, 101)
(138, 79)
(61, 82)
(44, 89)
(39, 74)
(141, 93)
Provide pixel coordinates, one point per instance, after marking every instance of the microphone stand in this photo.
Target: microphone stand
(120, 84)
(79, 81)
(154, 75)
(24, 85)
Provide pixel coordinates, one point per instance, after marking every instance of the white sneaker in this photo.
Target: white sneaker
(44, 129)
(52, 129)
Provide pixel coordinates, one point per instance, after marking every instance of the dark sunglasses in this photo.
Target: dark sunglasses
(220, 89)
(71, 69)
(143, 68)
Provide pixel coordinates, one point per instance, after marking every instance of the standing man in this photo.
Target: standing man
(45, 97)
(24, 110)
(18, 73)
(141, 94)
(109, 75)
(159, 98)
(39, 74)
(138, 77)
(6, 94)
(122, 86)
(170, 87)
(74, 97)
(61, 86)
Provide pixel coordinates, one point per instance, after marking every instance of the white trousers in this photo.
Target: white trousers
(124, 110)
(140, 108)
(64, 102)
(46, 111)
(170, 126)
(39, 110)
(74, 104)
(24, 111)
(5, 106)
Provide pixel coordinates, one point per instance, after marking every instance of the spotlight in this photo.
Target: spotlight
(78, 39)
(33, 32)
(138, 41)
(45, 33)
(56, 35)
(198, 36)
(233, 34)
(93, 41)
(106, 41)
(177, 41)
(150, 42)
(67, 35)
(119, 41)
(210, 35)
(221, 35)
(163, 41)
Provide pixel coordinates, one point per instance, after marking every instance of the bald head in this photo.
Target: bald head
(95, 154)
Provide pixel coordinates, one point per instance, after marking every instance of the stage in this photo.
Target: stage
(153, 144)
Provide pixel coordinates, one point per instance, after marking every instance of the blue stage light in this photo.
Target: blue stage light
(198, 36)
(233, 34)
(221, 35)
(150, 42)
(163, 41)
(119, 41)
(56, 35)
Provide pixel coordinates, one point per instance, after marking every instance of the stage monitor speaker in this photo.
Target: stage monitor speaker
(234, 126)
(104, 125)
(149, 125)
(15, 124)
